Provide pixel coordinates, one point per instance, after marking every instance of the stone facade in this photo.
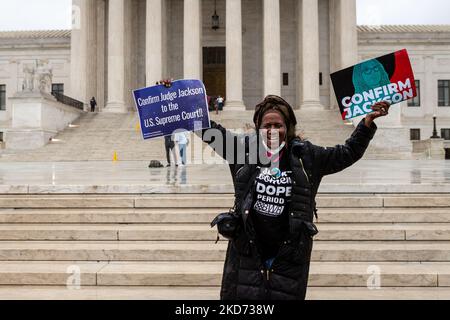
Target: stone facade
(36, 118)
(300, 49)
(21, 49)
(92, 56)
(83, 60)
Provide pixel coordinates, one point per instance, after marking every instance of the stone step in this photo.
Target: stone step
(206, 274)
(203, 232)
(352, 251)
(65, 202)
(48, 273)
(109, 216)
(205, 215)
(385, 215)
(395, 293)
(321, 274)
(129, 201)
(209, 293)
(417, 201)
(213, 200)
(383, 231)
(108, 293)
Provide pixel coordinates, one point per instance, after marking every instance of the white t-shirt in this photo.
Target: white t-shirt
(181, 137)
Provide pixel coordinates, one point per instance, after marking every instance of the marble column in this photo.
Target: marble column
(271, 47)
(308, 19)
(192, 40)
(91, 65)
(343, 38)
(101, 54)
(130, 45)
(83, 64)
(12, 88)
(347, 33)
(116, 57)
(234, 87)
(78, 47)
(154, 57)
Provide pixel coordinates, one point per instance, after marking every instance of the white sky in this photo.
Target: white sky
(376, 12)
(35, 14)
(56, 14)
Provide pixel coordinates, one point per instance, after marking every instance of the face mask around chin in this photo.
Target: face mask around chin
(273, 151)
(263, 134)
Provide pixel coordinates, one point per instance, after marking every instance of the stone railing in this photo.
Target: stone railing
(37, 117)
(68, 101)
(431, 148)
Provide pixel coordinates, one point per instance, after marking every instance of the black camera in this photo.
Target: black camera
(227, 224)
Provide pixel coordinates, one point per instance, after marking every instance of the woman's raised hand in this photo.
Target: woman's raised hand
(380, 109)
(165, 82)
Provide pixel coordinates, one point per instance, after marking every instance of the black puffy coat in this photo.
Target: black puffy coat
(244, 274)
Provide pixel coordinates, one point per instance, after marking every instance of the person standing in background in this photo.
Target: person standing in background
(170, 149)
(93, 104)
(182, 141)
(220, 103)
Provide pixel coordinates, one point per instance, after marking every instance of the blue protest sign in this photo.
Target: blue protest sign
(163, 110)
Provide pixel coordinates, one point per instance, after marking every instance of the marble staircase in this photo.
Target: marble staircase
(160, 246)
(96, 136)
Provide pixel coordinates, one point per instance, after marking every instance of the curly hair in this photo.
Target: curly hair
(271, 103)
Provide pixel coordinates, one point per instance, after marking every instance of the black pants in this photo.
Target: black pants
(168, 153)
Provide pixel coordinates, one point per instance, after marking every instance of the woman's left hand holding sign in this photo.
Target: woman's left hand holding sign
(166, 82)
(380, 109)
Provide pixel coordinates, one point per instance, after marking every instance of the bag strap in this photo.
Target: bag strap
(306, 161)
(247, 189)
